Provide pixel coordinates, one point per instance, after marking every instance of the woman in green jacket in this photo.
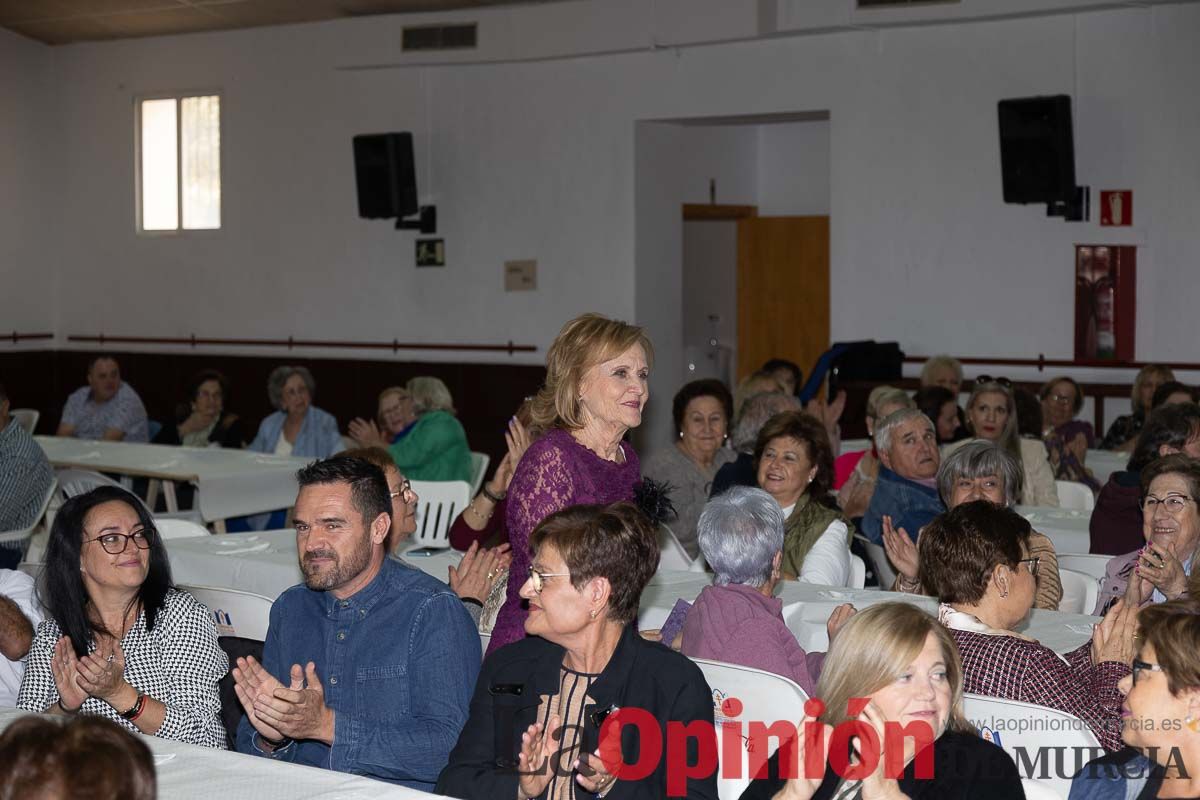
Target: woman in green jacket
(435, 449)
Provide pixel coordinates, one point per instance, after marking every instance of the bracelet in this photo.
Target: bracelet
(475, 511)
(66, 710)
(494, 498)
(277, 744)
(136, 709)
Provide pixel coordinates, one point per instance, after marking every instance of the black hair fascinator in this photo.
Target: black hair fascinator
(654, 500)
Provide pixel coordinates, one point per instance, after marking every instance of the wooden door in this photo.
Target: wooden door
(783, 291)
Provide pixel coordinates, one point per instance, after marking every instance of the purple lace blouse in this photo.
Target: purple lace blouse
(556, 472)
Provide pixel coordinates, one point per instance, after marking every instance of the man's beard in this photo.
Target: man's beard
(338, 573)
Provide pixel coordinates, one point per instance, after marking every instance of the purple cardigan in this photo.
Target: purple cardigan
(556, 472)
(737, 624)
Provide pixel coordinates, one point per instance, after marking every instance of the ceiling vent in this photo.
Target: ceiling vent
(903, 3)
(440, 37)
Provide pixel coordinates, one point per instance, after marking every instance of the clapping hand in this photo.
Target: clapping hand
(298, 711)
(803, 786)
(877, 785)
(1112, 638)
(538, 746)
(517, 439)
(1158, 565)
(592, 774)
(478, 571)
(64, 666)
(900, 550)
(102, 676)
(840, 616)
(366, 433)
(251, 680)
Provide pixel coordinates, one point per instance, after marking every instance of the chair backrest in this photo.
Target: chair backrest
(31, 569)
(1077, 496)
(178, 528)
(883, 568)
(440, 504)
(671, 552)
(858, 573)
(1088, 564)
(23, 534)
(479, 465)
(73, 482)
(1079, 591)
(765, 698)
(27, 418)
(237, 613)
(1035, 737)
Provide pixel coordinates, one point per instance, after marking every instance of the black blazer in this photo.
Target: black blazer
(965, 767)
(641, 674)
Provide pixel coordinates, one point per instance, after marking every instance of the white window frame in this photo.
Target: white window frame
(178, 97)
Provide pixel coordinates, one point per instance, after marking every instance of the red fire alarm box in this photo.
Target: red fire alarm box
(1116, 208)
(1105, 301)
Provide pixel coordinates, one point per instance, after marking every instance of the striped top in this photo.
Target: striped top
(569, 705)
(25, 477)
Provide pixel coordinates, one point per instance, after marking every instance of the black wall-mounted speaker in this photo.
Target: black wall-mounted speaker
(385, 174)
(1037, 149)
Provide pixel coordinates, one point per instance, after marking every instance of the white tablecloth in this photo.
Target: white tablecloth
(1103, 463)
(265, 563)
(189, 772)
(1067, 528)
(229, 483)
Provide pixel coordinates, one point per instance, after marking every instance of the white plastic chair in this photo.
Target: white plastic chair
(440, 504)
(1079, 591)
(27, 418)
(20, 538)
(883, 568)
(858, 573)
(1075, 496)
(765, 697)
(1030, 734)
(31, 569)
(72, 482)
(178, 528)
(671, 552)
(1088, 564)
(237, 613)
(479, 465)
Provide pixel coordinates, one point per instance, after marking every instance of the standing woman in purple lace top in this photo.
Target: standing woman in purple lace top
(596, 387)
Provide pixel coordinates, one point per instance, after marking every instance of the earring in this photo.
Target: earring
(594, 613)
(1004, 594)
(681, 434)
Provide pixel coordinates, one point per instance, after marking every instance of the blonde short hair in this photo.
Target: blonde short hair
(882, 396)
(1164, 374)
(874, 649)
(429, 394)
(581, 344)
(938, 362)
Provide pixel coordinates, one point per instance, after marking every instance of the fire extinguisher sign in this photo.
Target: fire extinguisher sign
(1116, 207)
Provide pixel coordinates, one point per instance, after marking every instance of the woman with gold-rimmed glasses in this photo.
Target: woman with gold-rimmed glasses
(1171, 528)
(1160, 714)
(540, 701)
(119, 640)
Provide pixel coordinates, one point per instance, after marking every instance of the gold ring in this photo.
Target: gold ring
(491, 575)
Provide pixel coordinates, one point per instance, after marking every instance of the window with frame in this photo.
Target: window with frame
(179, 163)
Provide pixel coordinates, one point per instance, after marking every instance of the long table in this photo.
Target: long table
(1066, 528)
(190, 772)
(229, 483)
(266, 563)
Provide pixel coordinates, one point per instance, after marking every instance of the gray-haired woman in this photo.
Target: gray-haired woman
(737, 619)
(435, 447)
(979, 470)
(298, 428)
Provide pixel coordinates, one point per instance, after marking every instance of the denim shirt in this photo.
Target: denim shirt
(318, 436)
(398, 661)
(910, 505)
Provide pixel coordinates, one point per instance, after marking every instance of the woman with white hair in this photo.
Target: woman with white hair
(976, 471)
(298, 428)
(737, 619)
(992, 415)
(435, 446)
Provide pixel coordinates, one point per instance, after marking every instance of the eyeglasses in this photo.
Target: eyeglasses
(1173, 504)
(1062, 399)
(539, 578)
(1140, 666)
(116, 543)
(1033, 564)
(405, 491)
(982, 379)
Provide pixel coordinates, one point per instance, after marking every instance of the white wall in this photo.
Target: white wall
(793, 169)
(537, 159)
(29, 184)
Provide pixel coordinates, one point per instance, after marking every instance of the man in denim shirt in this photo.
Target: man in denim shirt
(906, 489)
(368, 667)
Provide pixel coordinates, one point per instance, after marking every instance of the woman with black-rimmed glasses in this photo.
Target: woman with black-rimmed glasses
(992, 415)
(119, 640)
(1171, 529)
(1160, 712)
(540, 701)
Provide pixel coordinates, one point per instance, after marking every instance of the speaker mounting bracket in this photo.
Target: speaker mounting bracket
(1077, 209)
(426, 222)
